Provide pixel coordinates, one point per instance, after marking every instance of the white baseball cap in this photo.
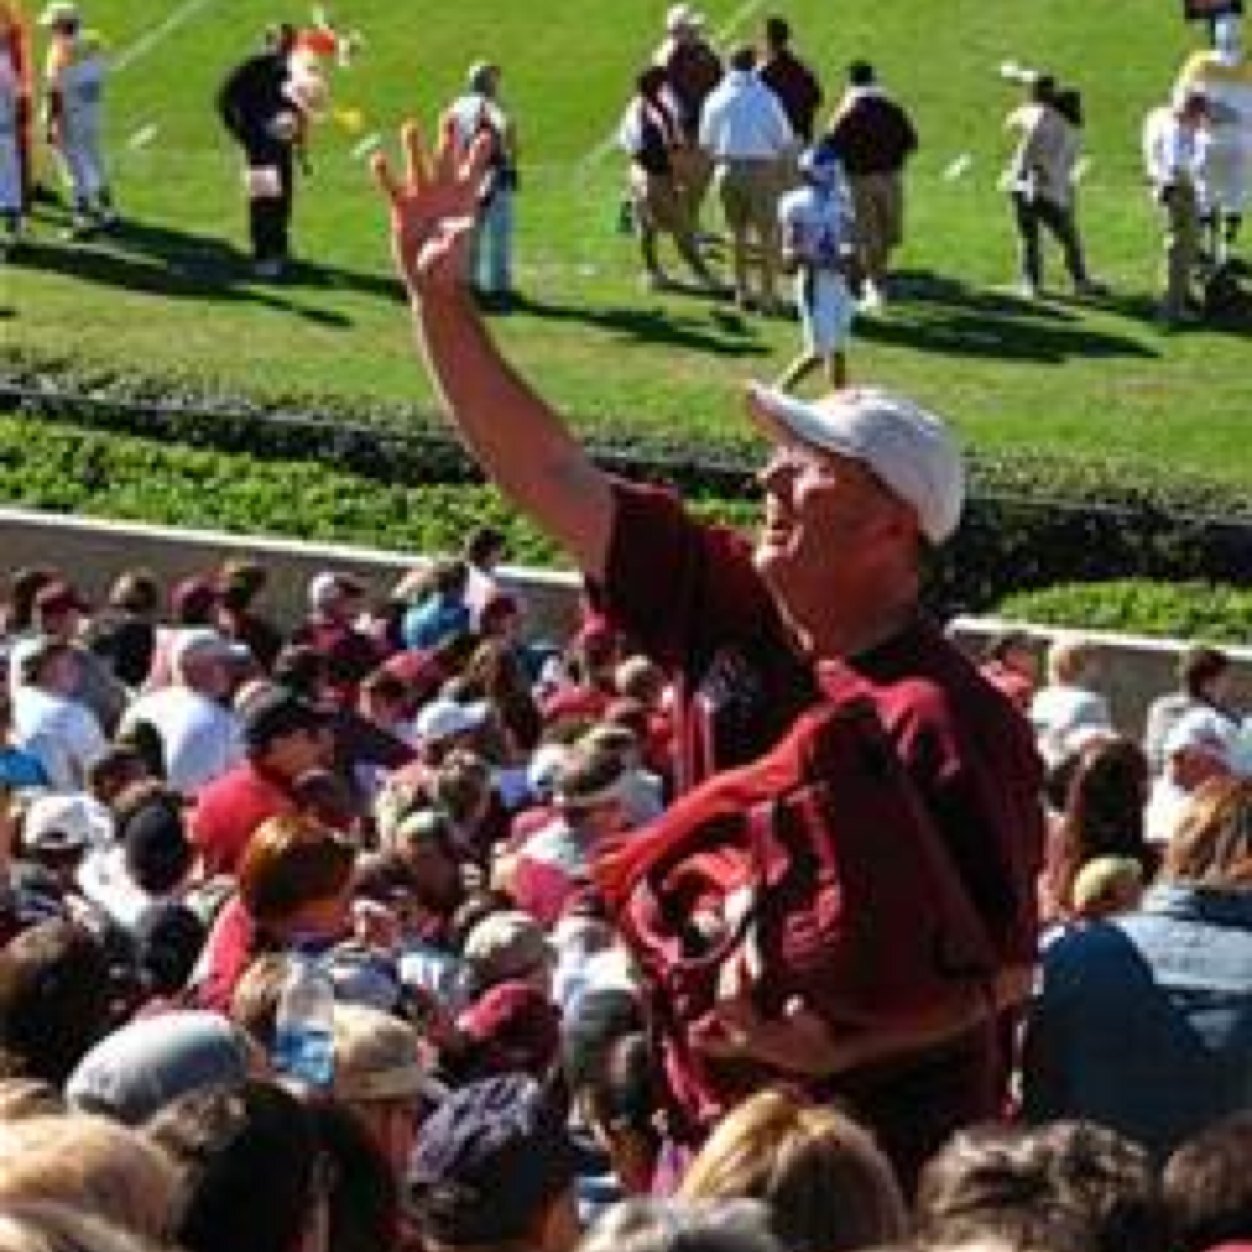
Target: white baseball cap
(682, 17)
(443, 718)
(911, 450)
(62, 822)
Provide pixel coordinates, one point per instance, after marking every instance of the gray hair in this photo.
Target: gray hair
(682, 1226)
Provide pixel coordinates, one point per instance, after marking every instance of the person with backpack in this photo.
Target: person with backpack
(479, 112)
(856, 725)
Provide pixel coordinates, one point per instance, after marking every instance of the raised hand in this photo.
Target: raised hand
(433, 207)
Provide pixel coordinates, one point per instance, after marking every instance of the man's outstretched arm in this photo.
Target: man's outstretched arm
(520, 442)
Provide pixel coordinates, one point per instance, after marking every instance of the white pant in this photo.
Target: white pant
(10, 173)
(84, 163)
(826, 309)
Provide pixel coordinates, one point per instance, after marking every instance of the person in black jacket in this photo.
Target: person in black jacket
(255, 108)
(874, 137)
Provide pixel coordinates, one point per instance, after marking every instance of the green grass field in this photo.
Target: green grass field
(173, 297)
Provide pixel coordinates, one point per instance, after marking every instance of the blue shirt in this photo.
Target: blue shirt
(1144, 1022)
(19, 769)
(433, 620)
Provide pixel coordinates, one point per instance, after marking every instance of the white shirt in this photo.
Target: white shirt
(742, 120)
(1172, 150)
(63, 733)
(201, 737)
(816, 224)
(1056, 713)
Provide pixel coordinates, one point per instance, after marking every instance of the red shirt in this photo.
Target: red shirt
(693, 598)
(229, 810)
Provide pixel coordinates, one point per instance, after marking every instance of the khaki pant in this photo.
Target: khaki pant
(749, 196)
(1182, 246)
(692, 172)
(878, 200)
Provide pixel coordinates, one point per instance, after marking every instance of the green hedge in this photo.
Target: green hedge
(1184, 610)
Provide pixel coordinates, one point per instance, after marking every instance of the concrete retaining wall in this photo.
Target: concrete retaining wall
(93, 552)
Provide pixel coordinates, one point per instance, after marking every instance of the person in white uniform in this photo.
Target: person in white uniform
(10, 154)
(817, 224)
(74, 83)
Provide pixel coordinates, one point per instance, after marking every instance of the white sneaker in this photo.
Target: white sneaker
(871, 297)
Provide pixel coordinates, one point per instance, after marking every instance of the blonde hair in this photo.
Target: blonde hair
(1212, 846)
(827, 1185)
(91, 1164)
(1069, 660)
(63, 1228)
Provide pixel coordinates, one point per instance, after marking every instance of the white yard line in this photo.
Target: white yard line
(733, 22)
(145, 43)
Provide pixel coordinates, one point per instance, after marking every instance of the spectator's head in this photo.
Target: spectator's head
(326, 797)
(682, 1226)
(1197, 748)
(304, 671)
(336, 596)
(861, 74)
(168, 941)
(509, 946)
(1071, 662)
(1107, 885)
(380, 1075)
(285, 734)
(157, 853)
(54, 998)
(448, 578)
(1212, 846)
(194, 601)
(513, 1027)
(1110, 1179)
(1208, 1187)
(1203, 673)
(742, 58)
(53, 665)
(444, 725)
(639, 678)
(999, 1187)
(250, 1167)
(58, 829)
(241, 582)
(1103, 814)
(483, 78)
(119, 768)
(485, 547)
(295, 879)
(682, 22)
(494, 1166)
(1015, 650)
(588, 790)
(205, 661)
(131, 1074)
(137, 592)
(24, 585)
(826, 1185)
(500, 617)
(424, 842)
(91, 1164)
(59, 609)
(863, 472)
(777, 33)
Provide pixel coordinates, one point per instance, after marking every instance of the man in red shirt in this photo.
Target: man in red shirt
(825, 608)
(285, 737)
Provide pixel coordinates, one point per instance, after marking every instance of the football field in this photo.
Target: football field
(172, 297)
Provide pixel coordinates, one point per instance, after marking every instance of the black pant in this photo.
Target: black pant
(269, 218)
(1030, 213)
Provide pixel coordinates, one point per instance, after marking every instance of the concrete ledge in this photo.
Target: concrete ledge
(1134, 669)
(93, 552)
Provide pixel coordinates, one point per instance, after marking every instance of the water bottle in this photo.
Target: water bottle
(304, 1041)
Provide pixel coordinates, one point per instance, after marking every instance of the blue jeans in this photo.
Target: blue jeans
(491, 254)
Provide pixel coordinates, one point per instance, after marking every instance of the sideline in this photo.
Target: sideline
(143, 45)
(609, 143)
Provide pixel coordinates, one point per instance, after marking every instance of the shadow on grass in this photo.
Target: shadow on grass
(181, 265)
(724, 333)
(937, 313)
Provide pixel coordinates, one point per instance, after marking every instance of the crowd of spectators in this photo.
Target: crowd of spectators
(406, 791)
